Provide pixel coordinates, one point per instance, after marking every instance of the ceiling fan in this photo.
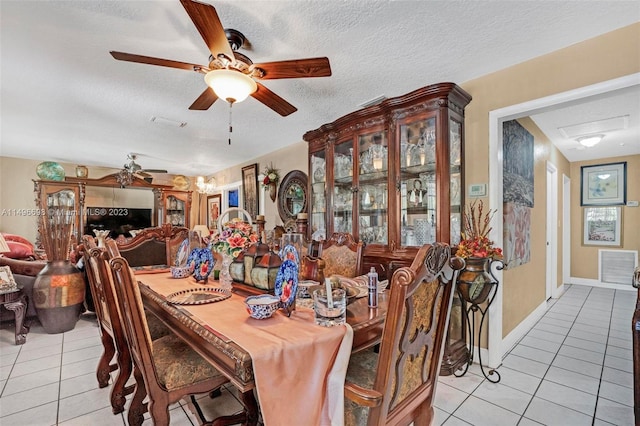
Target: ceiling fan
(131, 168)
(229, 68)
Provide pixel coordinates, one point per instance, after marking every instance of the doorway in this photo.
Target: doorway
(496, 349)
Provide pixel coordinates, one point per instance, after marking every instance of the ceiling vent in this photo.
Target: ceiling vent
(599, 126)
(374, 101)
(167, 122)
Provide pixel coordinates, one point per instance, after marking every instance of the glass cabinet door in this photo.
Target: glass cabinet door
(343, 187)
(455, 188)
(175, 211)
(318, 195)
(418, 182)
(372, 188)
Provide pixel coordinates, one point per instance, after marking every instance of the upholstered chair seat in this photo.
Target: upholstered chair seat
(361, 372)
(177, 365)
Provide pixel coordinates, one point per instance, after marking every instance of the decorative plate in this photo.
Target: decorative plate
(286, 284)
(50, 170)
(183, 253)
(198, 296)
(181, 182)
(201, 261)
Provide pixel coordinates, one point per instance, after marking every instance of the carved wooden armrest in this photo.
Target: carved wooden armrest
(362, 396)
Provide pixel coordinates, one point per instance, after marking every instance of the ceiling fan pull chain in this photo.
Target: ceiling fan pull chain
(230, 126)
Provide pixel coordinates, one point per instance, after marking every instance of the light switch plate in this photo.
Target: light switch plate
(477, 190)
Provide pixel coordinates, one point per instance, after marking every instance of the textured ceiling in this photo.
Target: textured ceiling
(64, 98)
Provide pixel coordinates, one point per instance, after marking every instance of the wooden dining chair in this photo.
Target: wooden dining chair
(397, 385)
(165, 370)
(111, 332)
(342, 255)
(156, 246)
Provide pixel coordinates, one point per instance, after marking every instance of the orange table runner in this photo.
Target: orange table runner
(294, 360)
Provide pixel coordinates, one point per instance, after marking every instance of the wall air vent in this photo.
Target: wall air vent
(616, 266)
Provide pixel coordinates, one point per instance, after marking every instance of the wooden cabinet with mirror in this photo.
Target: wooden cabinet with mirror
(392, 174)
(104, 203)
(173, 206)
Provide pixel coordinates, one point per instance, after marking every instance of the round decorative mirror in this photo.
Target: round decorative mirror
(292, 195)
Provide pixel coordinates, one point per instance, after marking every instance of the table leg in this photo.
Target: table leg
(19, 308)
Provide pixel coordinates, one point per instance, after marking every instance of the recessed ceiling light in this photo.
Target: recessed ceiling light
(590, 141)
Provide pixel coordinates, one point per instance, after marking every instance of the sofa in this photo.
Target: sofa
(25, 263)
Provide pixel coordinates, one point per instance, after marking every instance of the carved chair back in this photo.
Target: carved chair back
(165, 370)
(153, 246)
(342, 255)
(397, 385)
(111, 331)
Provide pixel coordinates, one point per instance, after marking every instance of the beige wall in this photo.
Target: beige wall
(293, 157)
(584, 259)
(609, 56)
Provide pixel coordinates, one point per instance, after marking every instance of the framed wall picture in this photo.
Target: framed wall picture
(602, 226)
(214, 203)
(250, 189)
(6, 278)
(603, 184)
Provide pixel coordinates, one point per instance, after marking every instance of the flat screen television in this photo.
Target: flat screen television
(118, 220)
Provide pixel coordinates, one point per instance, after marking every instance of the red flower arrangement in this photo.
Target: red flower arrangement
(271, 176)
(475, 241)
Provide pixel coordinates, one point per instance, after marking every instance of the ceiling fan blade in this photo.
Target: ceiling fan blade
(205, 100)
(147, 171)
(297, 68)
(206, 20)
(129, 57)
(273, 101)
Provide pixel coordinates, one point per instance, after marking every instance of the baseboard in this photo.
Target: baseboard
(558, 292)
(523, 328)
(597, 283)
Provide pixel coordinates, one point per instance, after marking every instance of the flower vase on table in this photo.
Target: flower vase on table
(225, 275)
(231, 239)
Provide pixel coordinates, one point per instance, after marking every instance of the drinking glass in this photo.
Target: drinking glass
(329, 314)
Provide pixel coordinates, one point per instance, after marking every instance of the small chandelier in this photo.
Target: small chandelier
(229, 85)
(205, 187)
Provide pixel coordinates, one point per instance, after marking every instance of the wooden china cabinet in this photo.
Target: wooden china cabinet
(173, 206)
(392, 174)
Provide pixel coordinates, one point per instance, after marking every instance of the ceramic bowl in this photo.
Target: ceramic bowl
(303, 288)
(180, 271)
(262, 306)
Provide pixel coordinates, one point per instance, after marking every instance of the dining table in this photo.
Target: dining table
(296, 367)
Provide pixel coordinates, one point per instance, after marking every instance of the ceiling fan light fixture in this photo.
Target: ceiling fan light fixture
(232, 86)
(591, 140)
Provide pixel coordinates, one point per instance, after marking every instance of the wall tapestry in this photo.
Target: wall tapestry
(516, 235)
(517, 178)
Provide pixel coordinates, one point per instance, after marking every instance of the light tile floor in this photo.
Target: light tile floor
(573, 367)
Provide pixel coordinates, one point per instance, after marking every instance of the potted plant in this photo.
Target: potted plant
(478, 251)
